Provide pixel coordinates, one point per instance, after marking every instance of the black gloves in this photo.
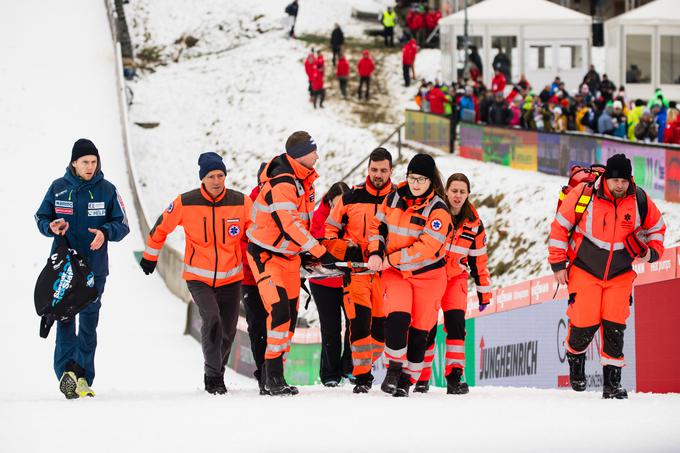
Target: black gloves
(328, 261)
(354, 254)
(147, 266)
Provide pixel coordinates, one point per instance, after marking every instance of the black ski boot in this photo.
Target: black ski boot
(214, 385)
(259, 375)
(612, 383)
(275, 383)
(577, 371)
(421, 387)
(403, 385)
(363, 383)
(453, 384)
(389, 385)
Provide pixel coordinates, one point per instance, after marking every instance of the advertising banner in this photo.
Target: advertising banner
(526, 348)
(549, 153)
(513, 296)
(673, 175)
(663, 269)
(525, 153)
(657, 316)
(649, 164)
(471, 141)
(543, 289)
(499, 144)
(473, 306)
(577, 150)
(432, 130)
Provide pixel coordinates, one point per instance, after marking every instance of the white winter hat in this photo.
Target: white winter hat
(617, 105)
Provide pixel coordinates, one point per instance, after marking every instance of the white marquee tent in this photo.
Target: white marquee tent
(541, 39)
(643, 49)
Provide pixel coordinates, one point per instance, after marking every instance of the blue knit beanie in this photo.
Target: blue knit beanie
(208, 162)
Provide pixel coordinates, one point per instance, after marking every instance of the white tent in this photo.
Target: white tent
(643, 49)
(541, 39)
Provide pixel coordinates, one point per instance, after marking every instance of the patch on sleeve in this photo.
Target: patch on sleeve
(436, 224)
(171, 207)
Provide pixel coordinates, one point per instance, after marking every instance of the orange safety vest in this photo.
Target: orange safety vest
(467, 249)
(283, 209)
(352, 216)
(596, 244)
(213, 230)
(411, 232)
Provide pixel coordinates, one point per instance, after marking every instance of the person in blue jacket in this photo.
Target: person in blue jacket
(88, 210)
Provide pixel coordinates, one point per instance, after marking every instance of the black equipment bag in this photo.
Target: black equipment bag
(64, 287)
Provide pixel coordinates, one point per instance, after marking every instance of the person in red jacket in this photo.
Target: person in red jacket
(415, 21)
(320, 62)
(318, 91)
(310, 64)
(671, 133)
(336, 359)
(436, 98)
(408, 60)
(342, 73)
(365, 67)
(431, 20)
(498, 82)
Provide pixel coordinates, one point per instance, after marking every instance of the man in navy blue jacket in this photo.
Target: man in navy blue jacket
(87, 209)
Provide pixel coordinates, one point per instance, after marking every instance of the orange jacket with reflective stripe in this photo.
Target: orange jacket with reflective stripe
(596, 244)
(353, 215)
(467, 249)
(412, 232)
(283, 209)
(213, 230)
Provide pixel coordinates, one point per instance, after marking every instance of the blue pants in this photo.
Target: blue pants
(79, 348)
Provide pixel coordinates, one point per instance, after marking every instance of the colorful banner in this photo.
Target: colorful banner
(471, 142)
(513, 296)
(649, 164)
(549, 153)
(427, 128)
(663, 269)
(545, 289)
(673, 175)
(577, 150)
(525, 153)
(498, 145)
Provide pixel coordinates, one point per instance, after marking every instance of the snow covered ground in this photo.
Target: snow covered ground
(149, 376)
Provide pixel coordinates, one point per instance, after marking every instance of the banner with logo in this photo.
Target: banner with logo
(526, 348)
(577, 150)
(549, 153)
(673, 175)
(427, 128)
(470, 145)
(649, 164)
(525, 152)
(498, 145)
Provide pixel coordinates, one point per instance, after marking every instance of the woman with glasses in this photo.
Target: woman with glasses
(407, 242)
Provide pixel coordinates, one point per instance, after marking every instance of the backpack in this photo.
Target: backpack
(64, 288)
(589, 175)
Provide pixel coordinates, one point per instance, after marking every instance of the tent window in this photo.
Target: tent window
(670, 59)
(571, 57)
(638, 58)
(540, 57)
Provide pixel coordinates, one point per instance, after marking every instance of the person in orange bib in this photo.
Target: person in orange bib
(280, 232)
(594, 257)
(407, 242)
(466, 250)
(363, 297)
(214, 219)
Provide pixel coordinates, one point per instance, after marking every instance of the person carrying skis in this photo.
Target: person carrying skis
(87, 209)
(214, 219)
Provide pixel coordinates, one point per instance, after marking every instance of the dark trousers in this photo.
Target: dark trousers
(336, 54)
(388, 33)
(364, 81)
(319, 95)
(343, 86)
(407, 74)
(219, 312)
(336, 358)
(79, 348)
(256, 317)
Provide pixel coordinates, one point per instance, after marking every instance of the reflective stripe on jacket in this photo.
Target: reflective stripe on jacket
(412, 233)
(283, 209)
(596, 244)
(213, 231)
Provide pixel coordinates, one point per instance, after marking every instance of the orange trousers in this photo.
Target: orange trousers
(278, 281)
(594, 303)
(363, 300)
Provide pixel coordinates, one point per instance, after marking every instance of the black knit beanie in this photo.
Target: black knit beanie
(422, 164)
(83, 147)
(618, 166)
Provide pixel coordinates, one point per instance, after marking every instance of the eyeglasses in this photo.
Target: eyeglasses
(418, 180)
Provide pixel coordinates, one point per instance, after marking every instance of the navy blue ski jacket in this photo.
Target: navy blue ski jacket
(85, 204)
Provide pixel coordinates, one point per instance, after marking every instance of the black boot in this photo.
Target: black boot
(214, 385)
(421, 387)
(453, 384)
(612, 383)
(259, 375)
(275, 382)
(364, 382)
(403, 385)
(577, 371)
(389, 385)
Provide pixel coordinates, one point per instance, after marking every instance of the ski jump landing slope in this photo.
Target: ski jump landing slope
(58, 84)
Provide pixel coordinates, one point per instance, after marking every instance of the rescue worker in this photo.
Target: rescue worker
(365, 68)
(214, 219)
(593, 258)
(363, 299)
(388, 19)
(466, 250)
(87, 209)
(279, 233)
(407, 242)
(408, 59)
